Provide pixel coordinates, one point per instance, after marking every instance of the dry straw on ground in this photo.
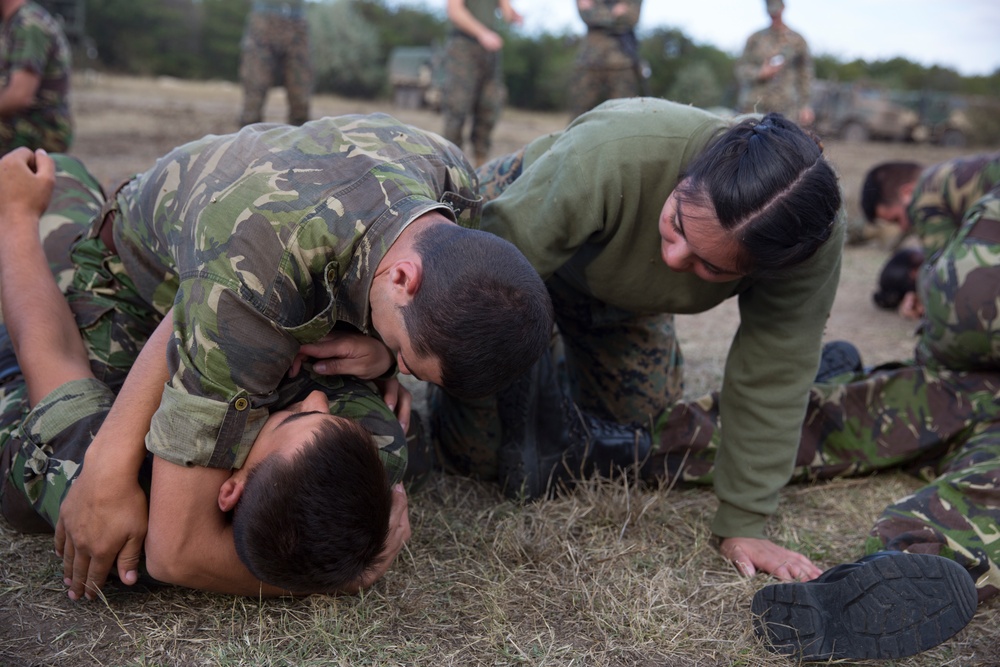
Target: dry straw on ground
(610, 574)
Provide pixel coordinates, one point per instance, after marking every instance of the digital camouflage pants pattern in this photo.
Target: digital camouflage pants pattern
(592, 85)
(473, 89)
(275, 49)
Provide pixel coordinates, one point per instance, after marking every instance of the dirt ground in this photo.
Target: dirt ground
(123, 125)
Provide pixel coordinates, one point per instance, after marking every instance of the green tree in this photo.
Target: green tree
(222, 27)
(402, 25)
(696, 84)
(347, 56)
(537, 70)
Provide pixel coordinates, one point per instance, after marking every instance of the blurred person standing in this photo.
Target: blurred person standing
(34, 69)
(775, 71)
(608, 64)
(275, 49)
(474, 72)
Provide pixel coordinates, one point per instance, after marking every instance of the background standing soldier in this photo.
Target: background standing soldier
(275, 47)
(474, 71)
(608, 64)
(775, 72)
(34, 69)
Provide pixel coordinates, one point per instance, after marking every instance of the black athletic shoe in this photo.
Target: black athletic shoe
(838, 357)
(885, 606)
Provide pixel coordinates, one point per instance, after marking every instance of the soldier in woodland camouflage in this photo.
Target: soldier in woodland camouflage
(263, 242)
(775, 71)
(928, 202)
(35, 76)
(474, 91)
(275, 50)
(607, 65)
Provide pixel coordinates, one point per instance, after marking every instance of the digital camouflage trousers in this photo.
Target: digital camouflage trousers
(473, 93)
(275, 50)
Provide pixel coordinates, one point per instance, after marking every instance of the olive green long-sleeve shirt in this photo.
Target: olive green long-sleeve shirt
(587, 207)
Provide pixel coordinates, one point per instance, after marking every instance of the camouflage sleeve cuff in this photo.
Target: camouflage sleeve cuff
(77, 401)
(192, 430)
(732, 521)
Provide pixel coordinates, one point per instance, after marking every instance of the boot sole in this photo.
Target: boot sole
(891, 607)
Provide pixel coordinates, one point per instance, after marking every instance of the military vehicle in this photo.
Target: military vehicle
(414, 77)
(943, 118)
(856, 112)
(859, 112)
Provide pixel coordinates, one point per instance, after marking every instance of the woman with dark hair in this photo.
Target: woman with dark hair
(639, 210)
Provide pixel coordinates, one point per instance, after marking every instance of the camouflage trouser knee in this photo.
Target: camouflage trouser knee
(275, 49)
(473, 87)
(43, 448)
(957, 515)
(617, 364)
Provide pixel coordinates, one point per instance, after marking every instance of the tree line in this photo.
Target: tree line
(352, 39)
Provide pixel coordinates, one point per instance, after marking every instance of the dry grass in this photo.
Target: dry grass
(607, 575)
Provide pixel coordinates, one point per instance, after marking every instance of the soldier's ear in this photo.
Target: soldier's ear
(231, 491)
(406, 275)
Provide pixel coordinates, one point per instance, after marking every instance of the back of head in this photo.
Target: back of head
(316, 521)
(771, 188)
(482, 309)
(898, 277)
(882, 183)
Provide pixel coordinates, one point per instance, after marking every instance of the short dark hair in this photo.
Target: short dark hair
(897, 278)
(770, 187)
(482, 309)
(316, 521)
(882, 183)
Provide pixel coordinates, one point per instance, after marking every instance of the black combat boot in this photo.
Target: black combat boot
(838, 358)
(548, 441)
(888, 605)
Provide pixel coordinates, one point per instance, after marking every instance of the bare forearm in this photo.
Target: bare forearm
(19, 93)
(38, 319)
(205, 560)
(121, 440)
(190, 539)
